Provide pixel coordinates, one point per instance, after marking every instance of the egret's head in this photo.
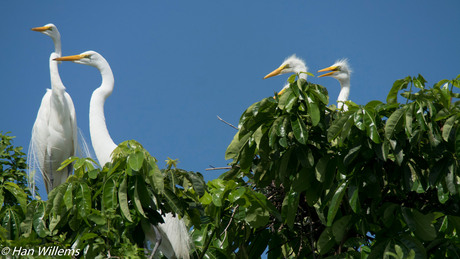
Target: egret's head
(90, 58)
(49, 29)
(291, 64)
(340, 70)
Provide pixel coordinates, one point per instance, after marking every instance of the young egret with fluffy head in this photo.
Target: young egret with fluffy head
(174, 239)
(291, 64)
(54, 134)
(340, 71)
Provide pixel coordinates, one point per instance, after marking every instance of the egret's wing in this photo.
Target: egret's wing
(38, 143)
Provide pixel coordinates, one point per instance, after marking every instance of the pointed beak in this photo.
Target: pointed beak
(70, 58)
(41, 29)
(275, 72)
(333, 69)
(282, 91)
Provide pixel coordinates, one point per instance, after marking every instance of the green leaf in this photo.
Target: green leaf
(413, 244)
(398, 85)
(156, 178)
(109, 194)
(371, 125)
(38, 219)
(313, 111)
(335, 202)
(247, 156)
(337, 125)
(135, 160)
(197, 182)
(394, 122)
(123, 199)
(137, 196)
(256, 216)
(17, 193)
(321, 168)
(83, 200)
(287, 100)
(409, 119)
(443, 195)
(299, 129)
(258, 245)
(340, 227)
(289, 207)
(351, 155)
(321, 94)
(457, 141)
(326, 241)
(206, 199)
(236, 145)
(389, 213)
(58, 199)
(420, 224)
(11, 223)
(174, 202)
(448, 126)
(97, 218)
(358, 119)
(272, 134)
(353, 197)
(419, 115)
(236, 194)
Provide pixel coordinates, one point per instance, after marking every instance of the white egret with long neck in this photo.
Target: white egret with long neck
(341, 71)
(175, 239)
(54, 134)
(291, 64)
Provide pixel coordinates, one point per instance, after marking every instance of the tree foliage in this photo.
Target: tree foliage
(377, 180)
(307, 181)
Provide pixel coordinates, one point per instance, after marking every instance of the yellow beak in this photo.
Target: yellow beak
(40, 29)
(282, 91)
(275, 72)
(332, 68)
(70, 58)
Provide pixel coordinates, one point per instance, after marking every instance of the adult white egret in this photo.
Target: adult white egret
(291, 64)
(174, 236)
(54, 134)
(341, 71)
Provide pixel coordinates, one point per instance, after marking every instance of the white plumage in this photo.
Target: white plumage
(341, 71)
(292, 64)
(54, 134)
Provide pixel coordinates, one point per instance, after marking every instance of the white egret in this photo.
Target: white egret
(54, 134)
(341, 71)
(174, 236)
(291, 64)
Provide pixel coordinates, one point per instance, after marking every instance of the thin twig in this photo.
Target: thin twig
(228, 225)
(218, 168)
(231, 219)
(229, 124)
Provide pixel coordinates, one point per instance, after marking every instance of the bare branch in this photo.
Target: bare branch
(218, 168)
(229, 124)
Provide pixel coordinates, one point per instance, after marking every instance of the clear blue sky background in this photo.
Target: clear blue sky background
(178, 64)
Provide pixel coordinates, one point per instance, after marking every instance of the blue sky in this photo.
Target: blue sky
(178, 64)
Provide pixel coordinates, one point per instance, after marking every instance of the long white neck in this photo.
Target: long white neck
(103, 144)
(57, 44)
(344, 93)
(56, 84)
